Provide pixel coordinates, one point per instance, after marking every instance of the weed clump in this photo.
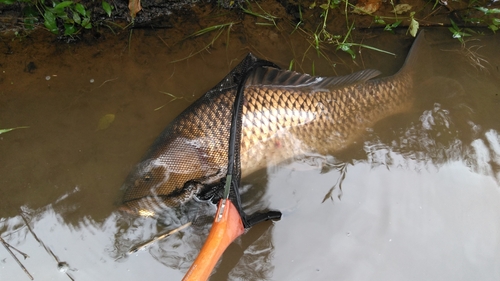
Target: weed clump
(313, 18)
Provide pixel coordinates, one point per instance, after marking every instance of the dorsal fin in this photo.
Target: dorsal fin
(272, 77)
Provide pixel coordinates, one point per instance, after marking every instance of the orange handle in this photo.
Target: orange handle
(224, 231)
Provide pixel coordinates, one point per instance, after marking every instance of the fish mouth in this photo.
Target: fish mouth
(125, 208)
(144, 207)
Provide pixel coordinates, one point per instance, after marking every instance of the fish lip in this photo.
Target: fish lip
(126, 209)
(137, 212)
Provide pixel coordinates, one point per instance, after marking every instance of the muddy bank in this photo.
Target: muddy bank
(93, 18)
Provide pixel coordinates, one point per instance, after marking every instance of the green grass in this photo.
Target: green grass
(3, 131)
(173, 98)
(70, 17)
(270, 19)
(220, 28)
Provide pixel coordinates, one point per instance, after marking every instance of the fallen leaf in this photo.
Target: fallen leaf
(105, 122)
(134, 6)
(401, 8)
(413, 27)
(367, 6)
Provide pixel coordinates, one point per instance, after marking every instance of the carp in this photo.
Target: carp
(285, 114)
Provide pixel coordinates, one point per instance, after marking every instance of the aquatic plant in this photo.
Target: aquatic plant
(3, 131)
(457, 32)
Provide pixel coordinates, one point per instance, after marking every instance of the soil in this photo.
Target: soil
(172, 14)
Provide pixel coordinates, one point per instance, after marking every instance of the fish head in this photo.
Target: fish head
(170, 175)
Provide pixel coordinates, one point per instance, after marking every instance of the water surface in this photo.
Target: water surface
(417, 198)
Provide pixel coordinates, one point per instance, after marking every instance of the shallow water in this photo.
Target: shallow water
(418, 198)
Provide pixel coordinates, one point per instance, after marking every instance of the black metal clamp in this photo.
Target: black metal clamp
(231, 187)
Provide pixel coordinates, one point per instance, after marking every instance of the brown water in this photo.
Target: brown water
(418, 199)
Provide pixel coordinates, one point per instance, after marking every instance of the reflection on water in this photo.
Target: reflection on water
(418, 198)
(402, 225)
(92, 248)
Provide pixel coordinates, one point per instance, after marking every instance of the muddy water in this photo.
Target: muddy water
(417, 198)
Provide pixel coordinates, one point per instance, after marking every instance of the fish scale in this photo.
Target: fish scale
(285, 114)
(323, 127)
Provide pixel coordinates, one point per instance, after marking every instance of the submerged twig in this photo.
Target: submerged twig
(8, 246)
(174, 98)
(156, 238)
(109, 80)
(47, 249)
(25, 256)
(342, 168)
(29, 228)
(474, 58)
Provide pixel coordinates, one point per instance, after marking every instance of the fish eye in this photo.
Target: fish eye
(147, 177)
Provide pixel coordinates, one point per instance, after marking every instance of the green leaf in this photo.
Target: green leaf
(454, 25)
(347, 48)
(29, 23)
(391, 26)
(77, 18)
(413, 28)
(107, 8)
(30, 15)
(2, 131)
(379, 20)
(86, 23)
(7, 2)
(81, 9)
(62, 5)
(494, 11)
(50, 22)
(69, 29)
(59, 13)
(456, 34)
(487, 11)
(482, 9)
(105, 122)
(401, 8)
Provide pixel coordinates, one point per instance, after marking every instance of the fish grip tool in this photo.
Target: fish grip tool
(233, 176)
(230, 220)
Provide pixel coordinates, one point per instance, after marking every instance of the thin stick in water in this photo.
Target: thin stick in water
(25, 256)
(47, 249)
(156, 238)
(7, 246)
